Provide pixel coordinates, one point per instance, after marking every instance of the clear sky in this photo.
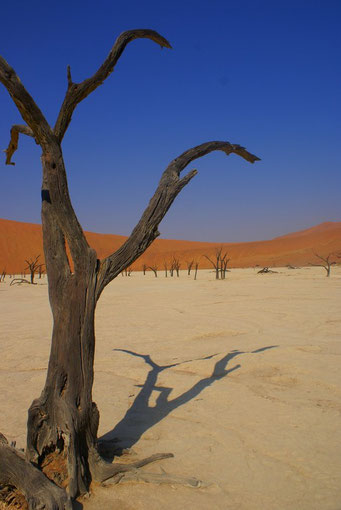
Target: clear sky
(262, 73)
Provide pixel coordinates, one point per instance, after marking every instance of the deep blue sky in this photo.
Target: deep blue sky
(265, 74)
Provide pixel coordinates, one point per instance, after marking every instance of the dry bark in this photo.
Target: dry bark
(63, 420)
(39, 492)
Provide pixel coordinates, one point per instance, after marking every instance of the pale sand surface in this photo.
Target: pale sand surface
(264, 432)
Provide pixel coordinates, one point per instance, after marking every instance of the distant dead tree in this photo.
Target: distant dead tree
(189, 266)
(165, 266)
(176, 266)
(223, 266)
(266, 270)
(196, 265)
(127, 271)
(327, 263)
(144, 268)
(2, 276)
(153, 268)
(33, 266)
(40, 271)
(19, 281)
(219, 263)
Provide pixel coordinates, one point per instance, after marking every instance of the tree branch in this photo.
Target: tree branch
(76, 92)
(25, 104)
(54, 187)
(13, 143)
(210, 260)
(169, 187)
(38, 490)
(324, 259)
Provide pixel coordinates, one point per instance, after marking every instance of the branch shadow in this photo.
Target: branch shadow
(141, 416)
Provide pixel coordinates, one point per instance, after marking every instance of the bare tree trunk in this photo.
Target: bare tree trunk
(189, 266)
(196, 270)
(154, 269)
(327, 263)
(62, 423)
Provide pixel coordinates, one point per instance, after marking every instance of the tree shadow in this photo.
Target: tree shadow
(141, 416)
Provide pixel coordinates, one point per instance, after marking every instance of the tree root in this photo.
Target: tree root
(156, 478)
(110, 474)
(20, 479)
(102, 470)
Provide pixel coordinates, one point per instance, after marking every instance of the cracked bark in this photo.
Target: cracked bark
(63, 421)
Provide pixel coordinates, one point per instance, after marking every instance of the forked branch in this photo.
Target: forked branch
(169, 187)
(327, 263)
(76, 92)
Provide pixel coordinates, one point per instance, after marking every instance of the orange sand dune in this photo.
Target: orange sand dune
(20, 241)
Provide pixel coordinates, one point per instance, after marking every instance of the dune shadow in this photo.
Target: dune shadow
(141, 416)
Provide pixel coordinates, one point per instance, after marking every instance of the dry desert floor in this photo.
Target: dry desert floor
(240, 379)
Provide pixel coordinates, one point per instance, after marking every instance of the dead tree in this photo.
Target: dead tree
(196, 265)
(127, 271)
(144, 268)
(154, 269)
(33, 267)
(63, 421)
(40, 271)
(189, 266)
(223, 265)
(176, 266)
(165, 266)
(19, 281)
(219, 263)
(266, 270)
(2, 276)
(326, 262)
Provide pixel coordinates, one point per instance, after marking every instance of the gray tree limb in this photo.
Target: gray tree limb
(169, 187)
(76, 92)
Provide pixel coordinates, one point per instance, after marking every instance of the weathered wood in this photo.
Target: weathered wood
(39, 492)
(266, 270)
(154, 478)
(13, 143)
(170, 185)
(18, 281)
(76, 92)
(63, 421)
